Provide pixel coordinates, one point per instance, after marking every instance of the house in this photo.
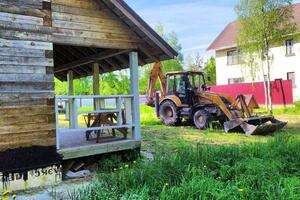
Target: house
(66, 39)
(285, 65)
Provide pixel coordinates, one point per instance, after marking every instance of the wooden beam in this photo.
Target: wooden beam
(103, 66)
(83, 53)
(98, 103)
(147, 53)
(79, 72)
(86, 68)
(70, 83)
(69, 114)
(112, 64)
(23, 11)
(73, 51)
(124, 61)
(89, 150)
(96, 80)
(90, 59)
(134, 86)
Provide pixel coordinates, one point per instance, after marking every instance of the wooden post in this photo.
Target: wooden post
(70, 78)
(56, 123)
(98, 103)
(128, 110)
(119, 107)
(134, 86)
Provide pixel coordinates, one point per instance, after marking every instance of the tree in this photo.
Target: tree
(115, 83)
(61, 88)
(168, 65)
(83, 86)
(210, 70)
(195, 64)
(172, 39)
(263, 24)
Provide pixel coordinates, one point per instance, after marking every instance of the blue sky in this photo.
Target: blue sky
(196, 22)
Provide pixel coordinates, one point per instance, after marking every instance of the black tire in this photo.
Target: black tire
(169, 114)
(201, 119)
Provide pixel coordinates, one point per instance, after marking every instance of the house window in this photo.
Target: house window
(234, 57)
(291, 76)
(235, 80)
(289, 45)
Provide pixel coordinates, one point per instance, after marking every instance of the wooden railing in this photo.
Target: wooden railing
(122, 105)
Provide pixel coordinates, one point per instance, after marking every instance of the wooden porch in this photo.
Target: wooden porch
(102, 128)
(73, 144)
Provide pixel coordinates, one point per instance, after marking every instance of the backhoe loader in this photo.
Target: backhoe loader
(185, 96)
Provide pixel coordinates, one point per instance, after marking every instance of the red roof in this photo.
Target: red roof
(227, 38)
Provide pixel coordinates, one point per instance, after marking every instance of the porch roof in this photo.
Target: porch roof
(79, 59)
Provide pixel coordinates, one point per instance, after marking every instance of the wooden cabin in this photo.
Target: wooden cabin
(67, 39)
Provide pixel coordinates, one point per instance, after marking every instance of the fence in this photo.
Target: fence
(282, 91)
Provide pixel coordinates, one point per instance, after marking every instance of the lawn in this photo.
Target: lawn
(193, 164)
(156, 136)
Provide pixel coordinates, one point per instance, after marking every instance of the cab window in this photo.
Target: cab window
(181, 84)
(171, 84)
(198, 81)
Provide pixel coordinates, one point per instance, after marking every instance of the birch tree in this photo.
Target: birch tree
(262, 25)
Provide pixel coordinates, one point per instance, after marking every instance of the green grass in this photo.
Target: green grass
(290, 110)
(193, 164)
(251, 171)
(155, 135)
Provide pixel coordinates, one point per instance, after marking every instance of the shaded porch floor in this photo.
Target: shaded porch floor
(73, 144)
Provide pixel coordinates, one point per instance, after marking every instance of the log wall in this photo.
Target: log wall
(91, 23)
(27, 115)
(28, 29)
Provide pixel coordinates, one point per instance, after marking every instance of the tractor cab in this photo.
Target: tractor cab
(185, 85)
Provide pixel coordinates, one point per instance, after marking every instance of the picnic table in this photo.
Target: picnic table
(105, 118)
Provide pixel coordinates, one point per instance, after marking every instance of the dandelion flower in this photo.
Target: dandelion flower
(6, 192)
(134, 161)
(126, 166)
(166, 184)
(241, 190)
(115, 169)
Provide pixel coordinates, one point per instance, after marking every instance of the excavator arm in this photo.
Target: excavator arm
(156, 73)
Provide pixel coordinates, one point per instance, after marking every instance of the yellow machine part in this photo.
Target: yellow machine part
(173, 98)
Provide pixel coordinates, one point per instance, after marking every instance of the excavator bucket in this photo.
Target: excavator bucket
(263, 125)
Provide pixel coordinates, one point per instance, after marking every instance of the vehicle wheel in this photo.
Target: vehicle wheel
(201, 119)
(169, 114)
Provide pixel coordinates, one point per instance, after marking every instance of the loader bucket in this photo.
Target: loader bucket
(254, 125)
